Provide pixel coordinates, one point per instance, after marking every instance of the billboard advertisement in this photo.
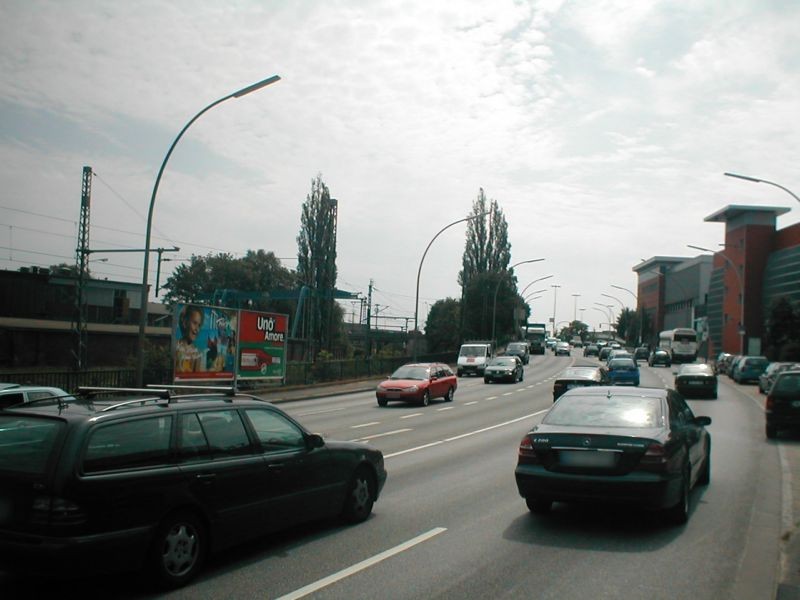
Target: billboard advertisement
(262, 345)
(204, 343)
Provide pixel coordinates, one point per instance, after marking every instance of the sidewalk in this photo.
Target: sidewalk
(278, 394)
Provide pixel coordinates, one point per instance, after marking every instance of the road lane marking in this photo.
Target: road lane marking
(491, 398)
(517, 420)
(393, 454)
(507, 393)
(364, 564)
(445, 408)
(365, 425)
(412, 415)
(377, 435)
(470, 403)
(319, 412)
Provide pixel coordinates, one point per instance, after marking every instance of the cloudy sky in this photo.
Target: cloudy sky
(601, 127)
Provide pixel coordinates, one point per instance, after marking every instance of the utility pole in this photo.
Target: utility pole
(369, 319)
(79, 328)
(555, 295)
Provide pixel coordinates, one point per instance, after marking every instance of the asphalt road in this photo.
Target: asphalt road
(450, 523)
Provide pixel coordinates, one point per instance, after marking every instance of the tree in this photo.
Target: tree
(441, 328)
(628, 325)
(257, 272)
(316, 263)
(487, 254)
(782, 330)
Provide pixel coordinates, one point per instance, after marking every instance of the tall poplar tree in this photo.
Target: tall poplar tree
(316, 263)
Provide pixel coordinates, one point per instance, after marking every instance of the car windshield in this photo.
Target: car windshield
(472, 350)
(410, 372)
(605, 411)
(579, 373)
(695, 370)
(622, 363)
(27, 443)
(787, 383)
(516, 347)
(503, 362)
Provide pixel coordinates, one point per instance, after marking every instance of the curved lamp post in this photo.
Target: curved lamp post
(497, 287)
(419, 270)
(525, 299)
(641, 311)
(522, 293)
(757, 180)
(143, 307)
(742, 330)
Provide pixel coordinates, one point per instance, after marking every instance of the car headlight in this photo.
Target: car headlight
(412, 389)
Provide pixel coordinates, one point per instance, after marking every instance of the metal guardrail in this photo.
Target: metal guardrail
(297, 373)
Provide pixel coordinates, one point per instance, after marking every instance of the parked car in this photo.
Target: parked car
(574, 377)
(591, 350)
(159, 481)
(749, 368)
(418, 383)
(623, 371)
(642, 447)
(13, 393)
(659, 357)
(722, 362)
(732, 364)
(520, 350)
(641, 353)
(767, 378)
(696, 380)
(562, 349)
(503, 368)
(782, 409)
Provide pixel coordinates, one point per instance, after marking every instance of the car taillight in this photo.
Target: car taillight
(770, 404)
(655, 454)
(526, 452)
(50, 510)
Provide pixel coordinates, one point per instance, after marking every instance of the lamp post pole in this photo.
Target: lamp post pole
(419, 271)
(497, 288)
(641, 311)
(522, 293)
(575, 307)
(555, 287)
(742, 330)
(144, 294)
(757, 180)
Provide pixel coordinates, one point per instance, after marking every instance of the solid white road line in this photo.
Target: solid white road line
(319, 412)
(365, 425)
(517, 420)
(377, 435)
(364, 564)
(393, 454)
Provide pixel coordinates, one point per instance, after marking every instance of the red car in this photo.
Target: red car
(418, 383)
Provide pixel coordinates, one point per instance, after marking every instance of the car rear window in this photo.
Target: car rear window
(26, 443)
(604, 411)
(787, 383)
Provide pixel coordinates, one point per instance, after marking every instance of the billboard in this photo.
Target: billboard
(211, 343)
(262, 345)
(204, 343)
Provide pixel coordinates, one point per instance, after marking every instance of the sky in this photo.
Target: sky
(602, 128)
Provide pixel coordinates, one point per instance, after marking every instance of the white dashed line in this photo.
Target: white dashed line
(411, 416)
(445, 408)
(365, 425)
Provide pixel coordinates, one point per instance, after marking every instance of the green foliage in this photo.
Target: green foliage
(316, 262)
(441, 328)
(628, 323)
(782, 330)
(487, 248)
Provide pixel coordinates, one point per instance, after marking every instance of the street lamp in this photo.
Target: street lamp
(534, 293)
(757, 180)
(143, 307)
(641, 310)
(742, 330)
(419, 270)
(497, 287)
(522, 293)
(575, 308)
(555, 287)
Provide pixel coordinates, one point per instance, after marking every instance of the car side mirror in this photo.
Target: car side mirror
(315, 440)
(702, 421)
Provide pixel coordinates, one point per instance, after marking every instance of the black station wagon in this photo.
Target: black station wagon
(97, 482)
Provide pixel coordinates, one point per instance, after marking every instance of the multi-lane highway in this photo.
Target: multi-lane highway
(450, 523)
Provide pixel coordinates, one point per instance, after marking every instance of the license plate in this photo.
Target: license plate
(586, 458)
(470, 360)
(696, 383)
(392, 396)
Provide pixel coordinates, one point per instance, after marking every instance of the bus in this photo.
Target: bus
(681, 343)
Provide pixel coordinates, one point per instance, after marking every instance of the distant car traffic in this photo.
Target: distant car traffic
(604, 352)
(520, 350)
(696, 380)
(562, 349)
(623, 371)
(659, 357)
(591, 350)
(641, 353)
(418, 383)
(782, 408)
(503, 368)
(641, 447)
(619, 353)
(574, 377)
(13, 393)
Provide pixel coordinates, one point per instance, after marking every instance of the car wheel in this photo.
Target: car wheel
(459, 373)
(382, 402)
(705, 475)
(449, 396)
(771, 431)
(485, 380)
(360, 497)
(538, 505)
(178, 550)
(426, 398)
(679, 514)
(521, 375)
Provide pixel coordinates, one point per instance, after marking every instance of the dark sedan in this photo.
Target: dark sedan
(696, 380)
(520, 350)
(783, 403)
(578, 377)
(637, 446)
(659, 357)
(503, 368)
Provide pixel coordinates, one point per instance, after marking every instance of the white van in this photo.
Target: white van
(472, 358)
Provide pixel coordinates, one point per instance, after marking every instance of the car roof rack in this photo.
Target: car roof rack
(223, 389)
(160, 391)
